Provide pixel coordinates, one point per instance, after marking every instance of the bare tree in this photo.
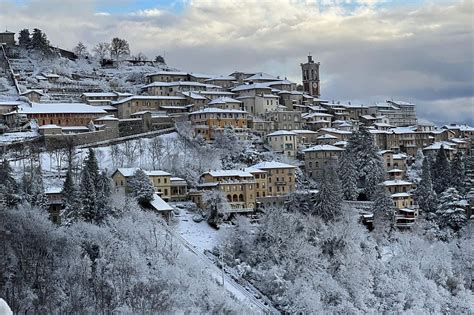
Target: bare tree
(119, 48)
(101, 50)
(155, 149)
(81, 50)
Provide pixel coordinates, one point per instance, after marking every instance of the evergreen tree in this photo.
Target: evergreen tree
(70, 195)
(141, 187)
(469, 173)
(88, 197)
(40, 42)
(458, 173)
(348, 176)
(328, 205)
(92, 166)
(441, 172)
(450, 212)
(383, 210)
(9, 186)
(425, 195)
(24, 38)
(38, 196)
(103, 196)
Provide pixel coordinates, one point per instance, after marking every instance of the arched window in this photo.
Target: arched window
(235, 198)
(241, 198)
(229, 198)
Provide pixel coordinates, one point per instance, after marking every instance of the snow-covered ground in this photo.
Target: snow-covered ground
(200, 235)
(11, 137)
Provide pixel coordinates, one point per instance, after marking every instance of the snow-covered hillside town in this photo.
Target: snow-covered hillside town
(128, 185)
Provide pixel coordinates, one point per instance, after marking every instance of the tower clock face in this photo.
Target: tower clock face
(315, 85)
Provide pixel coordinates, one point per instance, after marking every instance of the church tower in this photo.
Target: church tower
(310, 72)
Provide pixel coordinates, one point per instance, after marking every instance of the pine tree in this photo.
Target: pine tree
(441, 172)
(38, 196)
(329, 200)
(70, 196)
(458, 173)
(425, 195)
(9, 186)
(348, 176)
(383, 210)
(24, 38)
(103, 197)
(88, 197)
(141, 187)
(92, 166)
(450, 212)
(40, 42)
(469, 172)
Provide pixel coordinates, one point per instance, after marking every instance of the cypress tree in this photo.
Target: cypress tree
(92, 166)
(441, 172)
(88, 197)
(383, 210)
(458, 173)
(425, 195)
(329, 199)
(347, 173)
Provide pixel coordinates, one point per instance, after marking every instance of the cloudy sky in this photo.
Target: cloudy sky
(370, 50)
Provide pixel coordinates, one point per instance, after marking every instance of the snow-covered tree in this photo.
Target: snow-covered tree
(8, 184)
(441, 172)
(38, 196)
(92, 166)
(348, 176)
(40, 42)
(141, 187)
(119, 48)
(71, 196)
(216, 205)
(155, 150)
(160, 59)
(81, 50)
(458, 173)
(24, 38)
(450, 212)
(383, 210)
(425, 195)
(88, 197)
(104, 192)
(101, 50)
(329, 199)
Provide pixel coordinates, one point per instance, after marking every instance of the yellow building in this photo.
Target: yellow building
(317, 158)
(206, 121)
(162, 182)
(238, 186)
(281, 177)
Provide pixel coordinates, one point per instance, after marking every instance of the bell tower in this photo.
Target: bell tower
(310, 73)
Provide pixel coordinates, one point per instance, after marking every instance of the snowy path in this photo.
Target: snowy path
(230, 285)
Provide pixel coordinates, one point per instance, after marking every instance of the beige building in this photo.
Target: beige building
(137, 103)
(281, 177)
(317, 158)
(225, 103)
(285, 120)
(206, 121)
(222, 81)
(284, 142)
(168, 76)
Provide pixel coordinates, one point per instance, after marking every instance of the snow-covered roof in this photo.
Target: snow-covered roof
(50, 126)
(401, 103)
(399, 156)
(228, 173)
(11, 103)
(146, 97)
(175, 83)
(437, 146)
(317, 108)
(50, 75)
(401, 195)
(304, 131)
(323, 147)
(395, 170)
(458, 140)
(281, 133)
(107, 117)
(271, 165)
(253, 170)
(223, 100)
(326, 136)
(341, 143)
(159, 204)
(317, 114)
(127, 171)
(216, 93)
(222, 78)
(167, 73)
(157, 173)
(458, 127)
(53, 190)
(334, 130)
(261, 76)
(64, 108)
(396, 182)
(245, 87)
(403, 130)
(194, 95)
(99, 94)
(383, 125)
(40, 92)
(218, 110)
